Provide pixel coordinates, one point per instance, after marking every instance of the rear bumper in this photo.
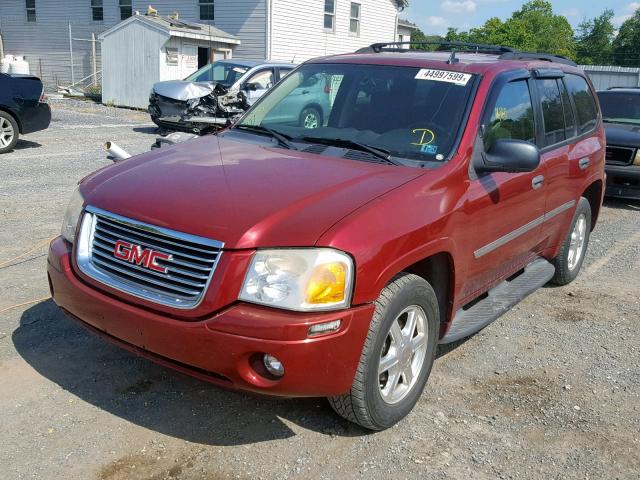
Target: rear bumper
(225, 348)
(35, 118)
(623, 181)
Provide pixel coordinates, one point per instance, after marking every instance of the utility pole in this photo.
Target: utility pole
(73, 73)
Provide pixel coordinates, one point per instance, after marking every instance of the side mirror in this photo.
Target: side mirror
(506, 155)
(250, 87)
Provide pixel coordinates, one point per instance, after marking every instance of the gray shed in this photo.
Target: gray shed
(145, 49)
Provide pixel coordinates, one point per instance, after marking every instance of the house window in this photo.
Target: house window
(354, 21)
(97, 12)
(206, 9)
(31, 10)
(329, 15)
(125, 9)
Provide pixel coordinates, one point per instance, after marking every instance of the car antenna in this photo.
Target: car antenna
(452, 57)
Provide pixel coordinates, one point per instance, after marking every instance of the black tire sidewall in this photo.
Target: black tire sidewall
(16, 133)
(419, 293)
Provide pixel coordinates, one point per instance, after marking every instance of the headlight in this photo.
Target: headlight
(299, 279)
(636, 160)
(72, 215)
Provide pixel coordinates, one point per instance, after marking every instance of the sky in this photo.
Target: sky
(435, 16)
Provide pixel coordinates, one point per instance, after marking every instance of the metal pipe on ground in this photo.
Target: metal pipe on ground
(116, 152)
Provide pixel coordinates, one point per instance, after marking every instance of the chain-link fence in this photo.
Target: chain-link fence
(62, 54)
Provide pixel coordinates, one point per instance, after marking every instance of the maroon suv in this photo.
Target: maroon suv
(440, 190)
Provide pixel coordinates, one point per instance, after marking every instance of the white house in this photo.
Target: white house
(55, 35)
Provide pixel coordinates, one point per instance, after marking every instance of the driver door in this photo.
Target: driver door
(504, 211)
(258, 84)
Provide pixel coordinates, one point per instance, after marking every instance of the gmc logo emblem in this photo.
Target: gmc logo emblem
(144, 257)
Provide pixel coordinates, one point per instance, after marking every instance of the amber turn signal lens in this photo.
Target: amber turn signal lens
(327, 284)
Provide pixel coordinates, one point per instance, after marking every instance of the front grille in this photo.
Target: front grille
(620, 155)
(179, 277)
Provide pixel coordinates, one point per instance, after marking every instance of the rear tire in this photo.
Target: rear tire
(569, 261)
(9, 132)
(399, 350)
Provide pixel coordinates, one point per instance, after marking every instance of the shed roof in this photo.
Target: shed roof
(177, 28)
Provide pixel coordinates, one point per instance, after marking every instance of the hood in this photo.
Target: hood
(243, 194)
(181, 90)
(623, 135)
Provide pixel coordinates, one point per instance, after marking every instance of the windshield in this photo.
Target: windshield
(411, 113)
(223, 73)
(620, 107)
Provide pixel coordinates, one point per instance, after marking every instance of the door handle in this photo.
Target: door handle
(583, 163)
(537, 182)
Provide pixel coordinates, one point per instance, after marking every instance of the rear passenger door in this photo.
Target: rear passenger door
(569, 150)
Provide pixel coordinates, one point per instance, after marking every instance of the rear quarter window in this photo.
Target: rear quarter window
(585, 103)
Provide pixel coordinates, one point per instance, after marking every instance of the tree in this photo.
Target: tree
(533, 28)
(419, 36)
(595, 40)
(625, 46)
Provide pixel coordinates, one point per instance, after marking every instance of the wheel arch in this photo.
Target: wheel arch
(593, 194)
(7, 110)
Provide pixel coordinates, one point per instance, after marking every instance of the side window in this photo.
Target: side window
(552, 112)
(262, 79)
(284, 72)
(511, 116)
(585, 103)
(569, 119)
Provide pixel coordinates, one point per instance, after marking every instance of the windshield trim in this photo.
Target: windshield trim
(476, 78)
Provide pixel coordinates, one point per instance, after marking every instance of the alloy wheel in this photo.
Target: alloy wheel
(576, 245)
(403, 353)
(6, 133)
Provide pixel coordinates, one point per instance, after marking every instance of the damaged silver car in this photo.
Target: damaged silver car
(212, 96)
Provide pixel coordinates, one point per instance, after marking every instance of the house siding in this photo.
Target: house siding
(45, 43)
(298, 32)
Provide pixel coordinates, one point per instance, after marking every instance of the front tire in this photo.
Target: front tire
(9, 132)
(397, 355)
(310, 118)
(569, 261)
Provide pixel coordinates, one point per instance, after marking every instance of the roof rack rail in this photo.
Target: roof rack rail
(505, 53)
(545, 57)
(396, 46)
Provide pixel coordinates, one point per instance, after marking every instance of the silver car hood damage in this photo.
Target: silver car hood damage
(181, 90)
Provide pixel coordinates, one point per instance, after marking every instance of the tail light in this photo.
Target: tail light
(43, 97)
(327, 87)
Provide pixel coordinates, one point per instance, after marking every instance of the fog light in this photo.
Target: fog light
(321, 328)
(273, 365)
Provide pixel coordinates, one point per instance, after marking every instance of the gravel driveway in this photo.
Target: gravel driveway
(550, 390)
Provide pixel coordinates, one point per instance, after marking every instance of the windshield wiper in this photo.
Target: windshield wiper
(377, 152)
(282, 139)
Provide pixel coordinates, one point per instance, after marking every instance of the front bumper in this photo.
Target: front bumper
(623, 181)
(223, 348)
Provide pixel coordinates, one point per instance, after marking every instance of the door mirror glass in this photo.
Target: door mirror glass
(507, 155)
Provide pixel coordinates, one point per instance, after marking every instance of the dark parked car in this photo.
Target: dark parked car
(621, 113)
(22, 108)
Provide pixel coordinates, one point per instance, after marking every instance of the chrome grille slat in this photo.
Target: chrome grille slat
(125, 227)
(110, 258)
(189, 269)
(100, 232)
(142, 277)
(175, 261)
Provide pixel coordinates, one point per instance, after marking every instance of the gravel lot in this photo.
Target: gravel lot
(550, 390)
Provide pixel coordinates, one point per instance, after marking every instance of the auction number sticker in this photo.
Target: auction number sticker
(443, 76)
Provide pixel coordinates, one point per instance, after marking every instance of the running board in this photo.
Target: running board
(500, 299)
